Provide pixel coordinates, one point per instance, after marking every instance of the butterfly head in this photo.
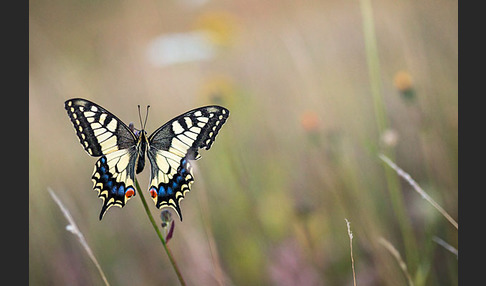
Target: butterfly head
(136, 131)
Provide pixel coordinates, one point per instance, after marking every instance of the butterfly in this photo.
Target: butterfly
(122, 149)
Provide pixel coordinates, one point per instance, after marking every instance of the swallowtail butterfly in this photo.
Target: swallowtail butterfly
(122, 149)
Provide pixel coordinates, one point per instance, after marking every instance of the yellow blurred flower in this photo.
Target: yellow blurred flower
(221, 26)
(218, 89)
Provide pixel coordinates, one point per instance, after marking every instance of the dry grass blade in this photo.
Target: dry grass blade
(394, 252)
(418, 189)
(446, 245)
(350, 234)
(72, 227)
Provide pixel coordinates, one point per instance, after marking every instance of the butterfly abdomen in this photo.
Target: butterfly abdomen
(141, 147)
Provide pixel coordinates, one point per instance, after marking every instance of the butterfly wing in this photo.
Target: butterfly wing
(172, 146)
(103, 134)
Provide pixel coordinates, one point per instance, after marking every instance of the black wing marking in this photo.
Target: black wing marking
(103, 134)
(99, 131)
(113, 178)
(172, 145)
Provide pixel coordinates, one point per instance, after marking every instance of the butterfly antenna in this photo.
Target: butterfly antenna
(139, 116)
(146, 116)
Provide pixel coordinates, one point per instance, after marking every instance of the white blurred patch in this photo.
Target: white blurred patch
(71, 228)
(176, 48)
(389, 138)
(193, 3)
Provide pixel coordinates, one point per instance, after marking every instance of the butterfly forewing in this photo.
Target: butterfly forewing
(103, 134)
(99, 131)
(172, 145)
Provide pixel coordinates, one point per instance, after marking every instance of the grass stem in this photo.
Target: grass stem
(73, 227)
(159, 234)
(446, 245)
(394, 252)
(350, 234)
(418, 189)
(373, 63)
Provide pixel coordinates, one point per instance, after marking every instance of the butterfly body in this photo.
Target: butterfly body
(141, 147)
(122, 151)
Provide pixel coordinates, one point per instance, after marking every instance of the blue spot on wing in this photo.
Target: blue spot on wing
(105, 178)
(121, 190)
(168, 189)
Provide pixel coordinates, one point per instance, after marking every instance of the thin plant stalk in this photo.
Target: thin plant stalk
(373, 63)
(418, 189)
(73, 227)
(159, 234)
(446, 245)
(350, 234)
(394, 252)
(213, 250)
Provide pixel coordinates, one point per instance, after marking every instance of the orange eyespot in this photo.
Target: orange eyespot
(129, 193)
(153, 193)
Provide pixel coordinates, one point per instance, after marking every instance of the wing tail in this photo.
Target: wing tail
(168, 187)
(114, 188)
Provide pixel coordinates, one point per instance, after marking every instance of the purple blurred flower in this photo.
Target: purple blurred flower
(167, 224)
(289, 266)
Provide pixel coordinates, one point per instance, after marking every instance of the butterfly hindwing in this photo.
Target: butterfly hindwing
(172, 146)
(167, 189)
(114, 186)
(103, 134)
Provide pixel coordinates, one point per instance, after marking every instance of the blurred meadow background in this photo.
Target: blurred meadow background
(317, 90)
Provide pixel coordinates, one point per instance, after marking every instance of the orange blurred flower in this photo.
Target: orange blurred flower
(403, 81)
(309, 120)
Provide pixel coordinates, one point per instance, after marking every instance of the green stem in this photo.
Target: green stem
(159, 234)
(393, 183)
